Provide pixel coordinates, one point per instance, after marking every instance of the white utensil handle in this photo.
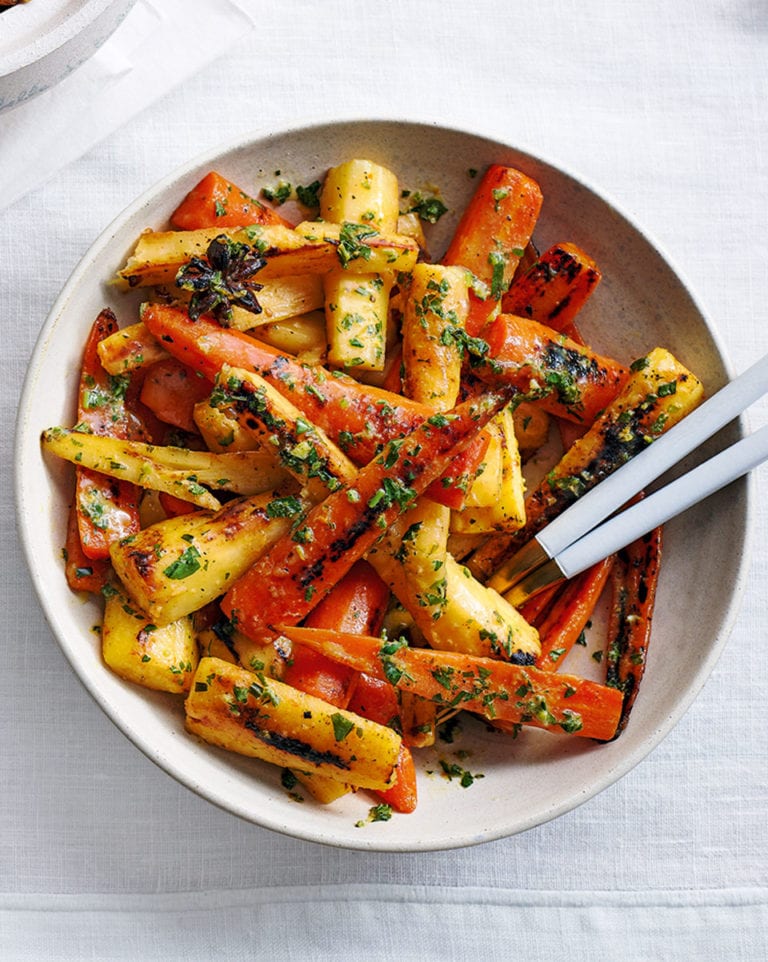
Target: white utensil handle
(664, 504)
(617, 489)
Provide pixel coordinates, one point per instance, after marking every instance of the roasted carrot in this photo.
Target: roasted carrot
(562, 376)
(497, 690)
(658, 394)
(107, 510)
(356, 604)
(83, 573)
(375, 698)
(492, 235)
(535, 609)
(403, 795)
(357, 417)
(634, 581)
(554, 289)
(570, 613)
(171, 390)
(301, 568)
(216, 202)
(175, 507)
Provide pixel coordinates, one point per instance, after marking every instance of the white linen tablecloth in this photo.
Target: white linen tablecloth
(102, 855)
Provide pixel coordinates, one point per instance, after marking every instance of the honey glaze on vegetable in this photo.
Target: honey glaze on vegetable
(312, 533)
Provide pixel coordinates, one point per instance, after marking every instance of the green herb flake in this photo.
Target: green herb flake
(665, 390)
(278, 194)
(309, 196)
(352, 246)
(185, 565)
(378, 813)
(284, 507)
(342, 726)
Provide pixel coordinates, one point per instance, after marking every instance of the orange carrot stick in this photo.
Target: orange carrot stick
(292, 577)
(216, 202)
(500, 691)
(535, 609)
(376, 700)
(171, 390)
(570, 613)
(357, 417)
(571, 381)
(107, 510)
(554, 289)
(83, 573)
(175, 507)
(492, 235)
(357, 605)
(403, 795)
(634, 581)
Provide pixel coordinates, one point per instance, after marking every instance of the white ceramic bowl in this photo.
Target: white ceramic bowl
(42, 41)
(640, 304)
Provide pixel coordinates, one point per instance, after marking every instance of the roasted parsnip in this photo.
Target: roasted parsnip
(177, 566)
(249, 714)
(162, 657)
(177, 471)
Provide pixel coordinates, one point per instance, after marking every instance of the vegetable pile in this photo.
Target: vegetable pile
(296, 470)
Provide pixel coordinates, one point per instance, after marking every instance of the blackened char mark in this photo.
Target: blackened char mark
(294, 746)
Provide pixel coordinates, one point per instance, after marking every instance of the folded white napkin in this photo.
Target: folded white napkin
(160, 44)
(378, 923)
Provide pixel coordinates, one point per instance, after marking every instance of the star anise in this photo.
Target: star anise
(222, 279)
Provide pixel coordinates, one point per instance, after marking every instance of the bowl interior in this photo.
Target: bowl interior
(640, 304)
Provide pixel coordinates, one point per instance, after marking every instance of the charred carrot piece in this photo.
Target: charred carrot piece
(107, 510)
(554, 289)
(535, 609)
(357, 417)
(83, 573)
(171, 390)
(360, 417)
(570, 614)
(356, 604)
(500, 691)
(217, 202)
(658, 394)
(634, 581)
(403, 795)
(376, 700)
(563, 377)
(302, 567)
(492, 235)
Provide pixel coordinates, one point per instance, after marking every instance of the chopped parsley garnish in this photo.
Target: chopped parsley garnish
(498, 262)
(378, 813)
(185, 565)
(342, 726)
(278, 194)
(309, 196)
(352, 246)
